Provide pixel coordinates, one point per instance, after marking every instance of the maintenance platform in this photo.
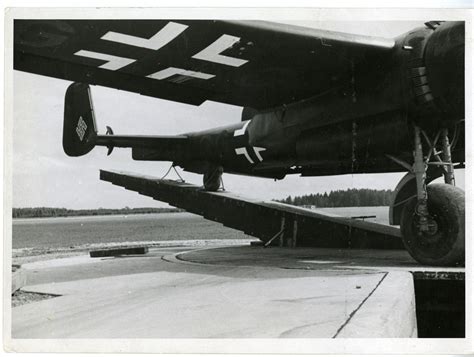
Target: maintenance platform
(271, 222)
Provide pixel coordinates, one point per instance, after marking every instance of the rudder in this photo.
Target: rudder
(79, 131)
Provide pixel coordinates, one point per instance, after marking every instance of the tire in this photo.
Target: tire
(446, 246)
(212, 179)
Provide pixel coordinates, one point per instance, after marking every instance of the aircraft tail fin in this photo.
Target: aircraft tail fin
(80, 134)
(79, 131)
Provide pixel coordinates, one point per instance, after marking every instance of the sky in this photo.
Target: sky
(44, 176)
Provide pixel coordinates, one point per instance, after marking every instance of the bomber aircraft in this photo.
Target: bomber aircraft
(315, 103)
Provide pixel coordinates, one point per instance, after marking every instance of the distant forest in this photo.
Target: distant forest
(343, 198)
(339, 198)
(64, 212)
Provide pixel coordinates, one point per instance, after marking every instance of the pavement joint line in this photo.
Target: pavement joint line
(351, 315)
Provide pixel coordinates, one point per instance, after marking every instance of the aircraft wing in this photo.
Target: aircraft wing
(247, 63)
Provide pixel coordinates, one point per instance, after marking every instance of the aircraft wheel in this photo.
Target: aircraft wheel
(444, 243)
(212, 178)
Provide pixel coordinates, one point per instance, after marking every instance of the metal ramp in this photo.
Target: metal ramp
(282, 224)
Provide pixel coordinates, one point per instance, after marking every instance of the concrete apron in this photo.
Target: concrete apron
(216, 301)
(389, 312)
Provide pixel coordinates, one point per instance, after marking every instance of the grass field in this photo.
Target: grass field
(78, 231)
(72, 232)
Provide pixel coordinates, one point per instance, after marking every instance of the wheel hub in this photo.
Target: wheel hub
(429, 235)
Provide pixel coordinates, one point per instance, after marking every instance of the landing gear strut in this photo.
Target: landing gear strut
(432, 223)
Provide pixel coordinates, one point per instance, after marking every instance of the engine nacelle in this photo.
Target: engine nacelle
(444, 61)
(433, 69)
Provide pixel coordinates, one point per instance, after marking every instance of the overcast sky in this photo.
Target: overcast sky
(44, 176)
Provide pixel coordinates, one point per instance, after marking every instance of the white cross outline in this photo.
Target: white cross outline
(212, 53)
(241, 131)
(167, 34)
(243, 151)
(113, 62)
(257, 150)
(171, 71)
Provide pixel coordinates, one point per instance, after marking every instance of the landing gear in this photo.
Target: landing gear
(441, 242)
(213, 178)
(432, 223)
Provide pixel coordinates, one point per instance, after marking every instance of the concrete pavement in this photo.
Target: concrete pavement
(234, 292)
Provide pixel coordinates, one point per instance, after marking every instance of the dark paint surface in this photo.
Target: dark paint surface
(328, 103)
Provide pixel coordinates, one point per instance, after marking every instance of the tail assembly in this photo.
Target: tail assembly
(79, 132)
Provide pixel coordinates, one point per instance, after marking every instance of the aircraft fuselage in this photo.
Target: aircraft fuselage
(350, 128)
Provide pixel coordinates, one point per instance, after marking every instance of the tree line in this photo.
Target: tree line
(343, 198)
(340, 198)
(33, 212)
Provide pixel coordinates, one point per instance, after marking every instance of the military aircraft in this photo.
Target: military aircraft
(315, 103)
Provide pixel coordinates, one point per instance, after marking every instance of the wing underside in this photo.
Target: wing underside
(247, 63)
